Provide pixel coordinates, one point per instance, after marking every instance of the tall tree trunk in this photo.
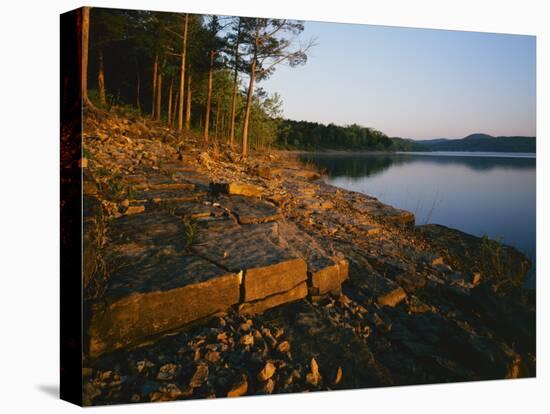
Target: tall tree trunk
(223, 129)
(217, 122)
(138, 86)
(188, 104)
(175, 109)
(155, 70)
(84, 68)
(101, 79)
(209, 95)
(182, 78)
(233, 111)
(235, 88)
(248, 105)
(159, 96)
(170, 101)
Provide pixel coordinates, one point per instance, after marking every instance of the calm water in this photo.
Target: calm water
(479, 193)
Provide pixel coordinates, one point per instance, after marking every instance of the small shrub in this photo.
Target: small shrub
(191, 231)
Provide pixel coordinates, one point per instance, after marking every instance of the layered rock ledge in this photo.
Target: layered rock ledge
(210, 275)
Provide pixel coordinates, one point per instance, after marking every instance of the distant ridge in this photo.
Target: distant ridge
(479, 142)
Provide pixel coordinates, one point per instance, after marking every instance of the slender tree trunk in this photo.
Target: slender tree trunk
(175, 109)
(84, 68)
(182, 79)
(138, 86)
(235, 88)
(155, 70)
(233, 110)
(216, 128)
(209, 96)
(170, 101)
(159, 96)
(188, 104)
(101, 79)
(223, 129)
(248, 106)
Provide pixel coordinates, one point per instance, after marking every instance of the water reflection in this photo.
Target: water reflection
(493, 194)
(361, 165)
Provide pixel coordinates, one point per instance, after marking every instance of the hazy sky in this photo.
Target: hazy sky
(413, 83)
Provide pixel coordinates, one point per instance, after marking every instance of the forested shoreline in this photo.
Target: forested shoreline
(190, 72)
(200, 74)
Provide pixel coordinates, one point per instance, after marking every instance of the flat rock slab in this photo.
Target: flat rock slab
(260, 282)
(329, 277)
(177, 167)
(196, 209)
(235, 247)
(158, 196)
(188, 176)
(269, 267)
(385, 291)
(138, 316)
(235, 188)
(155, 229)
(135, 181)
(154, 284)
(250, 210)
(163, 182)
(372, 207)
(259, 306)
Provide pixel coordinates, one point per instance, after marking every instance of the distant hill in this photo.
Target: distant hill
(403, 144)
(431, 141)
(482, 143)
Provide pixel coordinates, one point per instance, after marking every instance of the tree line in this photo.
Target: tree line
(189, 71)
(313, 135)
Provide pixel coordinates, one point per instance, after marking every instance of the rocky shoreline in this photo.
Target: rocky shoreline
(417, 305)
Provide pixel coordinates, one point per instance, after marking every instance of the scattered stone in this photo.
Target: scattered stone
(338, 377)
(269, 386)
(239, 388)
(313, 377)
(245, 326)
(141, 366)
(169, 392)
(135, 209)
(475, 278)
(267, 372)
(200, 376)
(283, 347)
(392, 298)
(247, 339)
(212, 356)
(167, 372)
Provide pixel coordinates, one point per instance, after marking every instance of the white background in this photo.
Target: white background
(29, 216)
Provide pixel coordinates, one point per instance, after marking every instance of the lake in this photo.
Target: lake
(491, 194)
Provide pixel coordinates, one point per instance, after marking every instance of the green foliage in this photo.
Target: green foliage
(114, 188)
(264, 120)
(191, 231)
(131, 41)
(400, 144)
(93, 95)
(499, 264)
(314, 136)
(94, 267)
